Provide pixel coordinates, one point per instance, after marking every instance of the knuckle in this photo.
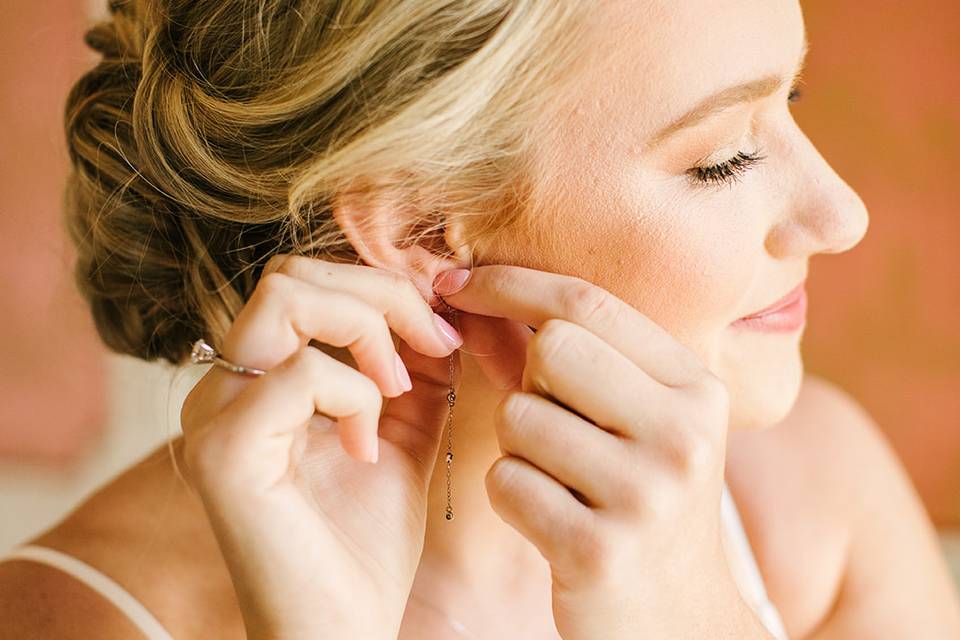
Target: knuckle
(551, 339)
(306, 359)
(707, 396)
(712, 386)
(315, 367)
(312, 364)
(702, 457)
(375, 336)
(308, 366)
(502, 281)
(661, 499)
(401, 290)
(295, 266)
(639, 491)
(406, 293)
(691, 363)
(705, 383)
(712, 399)
(696, 435)
(373, 322)
(502, 476)
(692, 453)
(594, 547)
(274, 285)
(399, 286)
(372, 391)
(275, 263)
(629, 490)
(511, 411)
(719, 395)
(587, 304)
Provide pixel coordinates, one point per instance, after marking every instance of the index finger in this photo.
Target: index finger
(532, 296)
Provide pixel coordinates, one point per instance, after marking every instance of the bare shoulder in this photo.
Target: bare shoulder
(37, 601)
(896, 582)
(842, 536)
(836, 435)
(143, 530)
(798, 485)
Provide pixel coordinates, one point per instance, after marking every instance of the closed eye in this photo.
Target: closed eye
(725, 172)
(730, 171)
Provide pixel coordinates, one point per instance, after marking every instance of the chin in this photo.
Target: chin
(762, 393)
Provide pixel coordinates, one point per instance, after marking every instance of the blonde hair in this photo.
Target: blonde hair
(212, 135)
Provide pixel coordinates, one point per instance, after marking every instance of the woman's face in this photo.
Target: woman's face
(619, 205)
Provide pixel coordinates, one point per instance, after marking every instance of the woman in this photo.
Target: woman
(627, 183)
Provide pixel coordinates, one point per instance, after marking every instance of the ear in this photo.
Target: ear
(377, 220)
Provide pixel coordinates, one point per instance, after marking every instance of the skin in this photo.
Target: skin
(690, 259)
(693, 259)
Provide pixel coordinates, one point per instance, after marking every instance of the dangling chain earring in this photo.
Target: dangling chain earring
(451, 400)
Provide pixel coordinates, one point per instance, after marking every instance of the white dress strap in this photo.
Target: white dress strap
(765, 609)
(99, 582)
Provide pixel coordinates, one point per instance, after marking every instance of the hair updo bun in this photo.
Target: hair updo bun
(213, 134)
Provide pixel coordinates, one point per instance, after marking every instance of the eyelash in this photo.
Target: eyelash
(730, 171)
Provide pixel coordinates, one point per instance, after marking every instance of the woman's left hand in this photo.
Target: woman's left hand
(614, 445)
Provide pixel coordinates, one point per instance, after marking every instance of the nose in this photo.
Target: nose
(825, 215)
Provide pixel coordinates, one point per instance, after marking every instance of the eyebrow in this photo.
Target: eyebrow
(725, 98)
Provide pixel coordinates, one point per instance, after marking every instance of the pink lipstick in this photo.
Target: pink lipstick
(789, 313)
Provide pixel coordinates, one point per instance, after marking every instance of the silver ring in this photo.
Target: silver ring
(203, 353)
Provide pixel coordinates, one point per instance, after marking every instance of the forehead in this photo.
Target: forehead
(648, 61)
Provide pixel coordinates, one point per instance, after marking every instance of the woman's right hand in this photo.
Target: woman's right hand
(318, 543)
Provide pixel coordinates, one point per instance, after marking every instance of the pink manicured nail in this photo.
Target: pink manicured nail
(450, 335)
(451, 281)
(402, 376)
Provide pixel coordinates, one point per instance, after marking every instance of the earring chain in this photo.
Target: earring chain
(451, 401)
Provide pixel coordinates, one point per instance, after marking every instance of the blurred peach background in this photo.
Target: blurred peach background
(882, 103)
(879, 100)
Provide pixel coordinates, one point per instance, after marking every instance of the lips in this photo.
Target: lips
(785, 301)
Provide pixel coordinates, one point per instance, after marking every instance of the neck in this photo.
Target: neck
(476, 553)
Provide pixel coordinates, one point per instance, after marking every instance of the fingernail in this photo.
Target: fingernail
(402, 376)
(451, 281)
(450, 335)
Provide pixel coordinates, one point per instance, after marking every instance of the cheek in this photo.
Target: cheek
(686, 270)
(685, 260)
